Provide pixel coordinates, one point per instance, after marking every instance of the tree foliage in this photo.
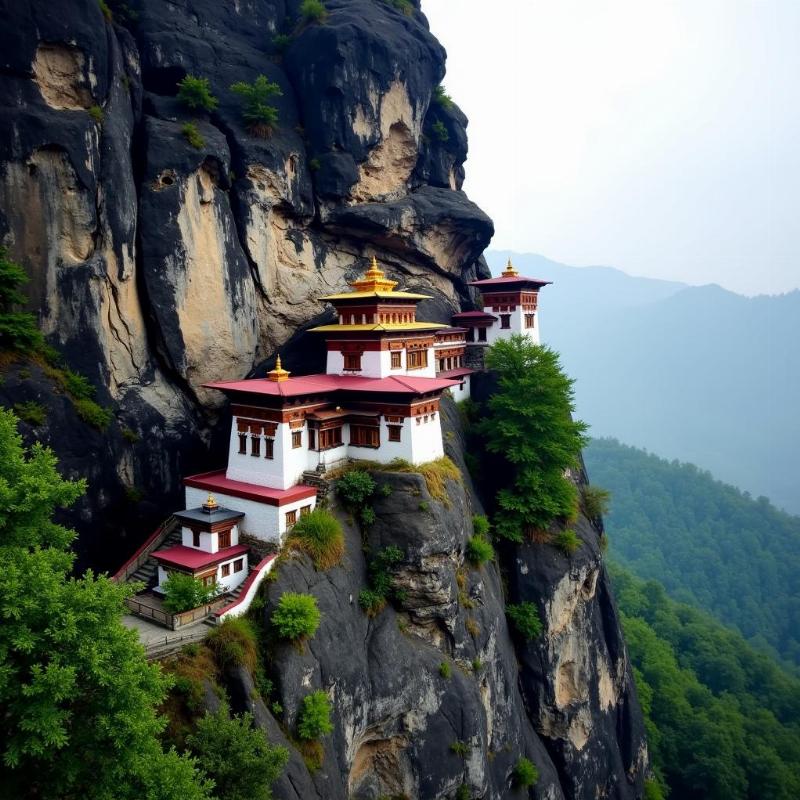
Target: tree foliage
(528, 424)
(18, 329)
(297, 616)
(723, 721)
(315, 716)
(77, 696)
(183, 592)
(259, 114)
(708, 543)
(237, 756)
(525, 618)
(195, 93)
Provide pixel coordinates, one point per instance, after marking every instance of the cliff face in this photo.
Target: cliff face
(157, 266)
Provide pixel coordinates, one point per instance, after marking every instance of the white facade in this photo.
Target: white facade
(261, 520)
(225, 584)
(516, 323)
(462, 391)
(378, 364)
(281, 471)
(209, 542)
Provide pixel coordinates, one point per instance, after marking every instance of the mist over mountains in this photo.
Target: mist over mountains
(695, 373)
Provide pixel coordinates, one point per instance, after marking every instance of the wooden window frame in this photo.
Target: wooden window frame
(481, 334)
(224, 539)
(505, 322)
(238, 565)
(331, 438)
(291, 519)
(352, 362)
(417, 359)
(195, 538)
(305, 510)
(312, 439)
(530, 320)
(394, 433)
(365, 436)
(297, 439)
(225, 570)
(242, 444)
(255, 445)
(396, 359)
(269, 447)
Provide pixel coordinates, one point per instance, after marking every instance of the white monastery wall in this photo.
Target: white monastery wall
(209, 542)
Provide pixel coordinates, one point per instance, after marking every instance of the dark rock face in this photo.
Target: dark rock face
(157, 266)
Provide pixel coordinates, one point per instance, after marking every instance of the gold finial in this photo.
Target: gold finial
(279, 373)
(510, 271)
(374, 280)
(210, 504)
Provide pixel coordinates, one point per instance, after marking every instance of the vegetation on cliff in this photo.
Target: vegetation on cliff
(708, 543)
(723, 720)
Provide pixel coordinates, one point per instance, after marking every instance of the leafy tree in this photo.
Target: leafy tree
(525, 773)
(355, 488)
(297, 616)
(313, 11)
(440, 131)
(183, 592)
(237, 756)
(261, 117)
(528, 424)
(77, 696)
(195, 93)
(441, 98)
(525, 619)
(18, 330)
(315, 716)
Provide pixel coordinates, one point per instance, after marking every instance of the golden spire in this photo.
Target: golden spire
(374, 280)
(210, 504)
(510, 271)
(279, 373)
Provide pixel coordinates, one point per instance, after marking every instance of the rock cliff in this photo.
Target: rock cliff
(157, 265)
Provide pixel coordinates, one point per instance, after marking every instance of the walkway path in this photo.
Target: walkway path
(159, 641)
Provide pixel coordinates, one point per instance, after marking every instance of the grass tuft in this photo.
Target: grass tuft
(320, 536)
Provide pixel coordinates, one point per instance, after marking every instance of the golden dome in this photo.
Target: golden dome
(279, 373)
(374, 280)
(510, 271)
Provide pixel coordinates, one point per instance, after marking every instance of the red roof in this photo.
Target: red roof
(322, 384)
(191, 558)
(451, 329)
(510, 280)
(456, 373)
(217, 483)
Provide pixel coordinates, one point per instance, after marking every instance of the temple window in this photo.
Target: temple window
(352, 361)
(291, 518)
(297, 439)
(332, 437)
(269, 448)
(481, 334)
(505, 321)
(224, 539)
(305, 510)
(364, 436)
(529, 320)
(397, 360)
(471, 335)
(242, 444)
(225, 570)
(312, 439)
(255, 446)
(394, 433)
(195, 538)
(417, 359)
(238, 565)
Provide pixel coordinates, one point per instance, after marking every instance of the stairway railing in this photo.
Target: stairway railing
(143, 553)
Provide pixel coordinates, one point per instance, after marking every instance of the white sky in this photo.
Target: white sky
(660, 137)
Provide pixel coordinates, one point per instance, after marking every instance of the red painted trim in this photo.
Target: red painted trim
(248, 583)
(206, 481)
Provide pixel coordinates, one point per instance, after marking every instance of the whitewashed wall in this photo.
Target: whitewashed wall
(208, 542)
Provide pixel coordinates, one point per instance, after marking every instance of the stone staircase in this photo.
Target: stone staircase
(317, 479)
(146, 573)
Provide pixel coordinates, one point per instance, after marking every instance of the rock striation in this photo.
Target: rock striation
(157, 265)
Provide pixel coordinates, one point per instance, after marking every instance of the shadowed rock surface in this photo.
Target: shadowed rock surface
(157, 266)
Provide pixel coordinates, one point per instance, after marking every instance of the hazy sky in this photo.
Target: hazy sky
(658, 136)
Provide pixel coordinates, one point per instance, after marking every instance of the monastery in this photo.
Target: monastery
(378, 400)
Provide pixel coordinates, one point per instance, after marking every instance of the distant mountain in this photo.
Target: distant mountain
(706, 542)
(696, 373)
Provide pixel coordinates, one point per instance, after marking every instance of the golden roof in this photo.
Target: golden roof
(374, 283)
(391, 327)
(279, 373)
(510, 271)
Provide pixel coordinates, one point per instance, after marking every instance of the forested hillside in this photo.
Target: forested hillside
(723, 720)
(708, 543)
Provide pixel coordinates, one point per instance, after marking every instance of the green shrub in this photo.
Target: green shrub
(96, 113)
(237, 755)
(445, 670)
(460, 748)
(313, 11)
(261, 117)
(463, 792)
(95, 415)
(31, 412)
(381, 588)
(525, 773)
(193, 136)
(481, 525)
(441, 98)
(182, 592)
(440, 131)
(372, 602)
(105, 9)
(477, 665)
(479, 550)
(297, 616)
(355, 488)
(424, 506)
(75, 384)
(367, 516)
(130, 435)
(567, 541)
(281, 42)
(595, 501)
(525, 618)
(320, 535)
(653, 790)
(234, 642)
(18, 329)
(195, 93)
(314, 719)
